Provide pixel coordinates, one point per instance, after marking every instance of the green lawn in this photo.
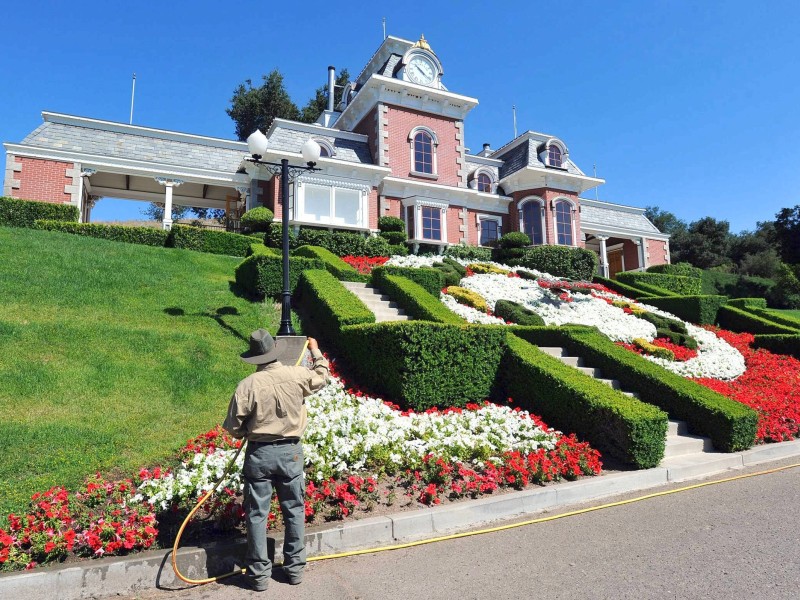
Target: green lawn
(795, 314)
(111, 355)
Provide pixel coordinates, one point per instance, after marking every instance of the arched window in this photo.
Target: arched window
(484, 183)
(554, 156)
(423, 152)
(324, 152)
(325, 148)
(564, 222)
(532, 223)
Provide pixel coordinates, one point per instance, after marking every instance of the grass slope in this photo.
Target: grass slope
(111, 355)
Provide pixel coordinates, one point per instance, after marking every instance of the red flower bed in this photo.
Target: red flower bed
(771, 386)
(364, 264)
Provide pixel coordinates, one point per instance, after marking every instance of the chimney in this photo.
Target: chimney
(487, 150)
(331, 86)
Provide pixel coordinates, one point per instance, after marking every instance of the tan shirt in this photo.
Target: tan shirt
(270, 405)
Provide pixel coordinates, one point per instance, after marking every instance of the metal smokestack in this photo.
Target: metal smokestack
(331, 86)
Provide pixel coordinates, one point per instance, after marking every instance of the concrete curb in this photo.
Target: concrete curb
(127, 575)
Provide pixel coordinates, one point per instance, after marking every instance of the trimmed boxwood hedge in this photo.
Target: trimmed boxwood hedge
(414, 299)
(779, 344)
(335, 265)
(561, 261)
(468, 252)
(629, 291)
(329, 306)
(430, 279)
(262, 274)
(748, 302)
(147, 236)
(262, 249)
(740, 320)
(420, 364)
(517, 313)
(675, 284)
(565, 398)
(730, 424)
(682, 268)
(775, 317)
(209, 240)
(24, 213)
(701, 310)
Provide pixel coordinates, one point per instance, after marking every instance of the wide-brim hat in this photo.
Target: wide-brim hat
(263, 348)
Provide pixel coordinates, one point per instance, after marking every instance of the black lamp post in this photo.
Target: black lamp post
(257, 144)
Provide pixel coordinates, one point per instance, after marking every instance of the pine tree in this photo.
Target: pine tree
(319, 103)
(255, 108)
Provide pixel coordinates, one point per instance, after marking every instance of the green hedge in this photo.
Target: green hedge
(258, 218)
(561, 261)
(420, 364)
(24, 213)
(628, 291)
(147, 236)
(329, 306)
(209, 240)
(736, 286)
(740, 320)
(262, 249)
(730, 424)
(517, 313)
(701, 310)
(775, 317)
(748, 302)
(567, 399)
(393, 224)
(676, 284)
(431, 279)
(779, 344)
(683, 268)
(335, 265)
(468, 252)
(414, 299)
(262, 274)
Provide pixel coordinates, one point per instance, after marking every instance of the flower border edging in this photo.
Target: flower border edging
(129, 574)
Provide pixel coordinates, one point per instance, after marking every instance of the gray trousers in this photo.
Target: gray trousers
(281, 466)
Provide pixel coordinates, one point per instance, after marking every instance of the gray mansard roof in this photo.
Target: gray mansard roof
(601, 215)
(289, 137)
(103, 138)
(526, 155)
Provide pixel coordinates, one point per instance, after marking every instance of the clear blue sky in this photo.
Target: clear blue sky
(690, 106)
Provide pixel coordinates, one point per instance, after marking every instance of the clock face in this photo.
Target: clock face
(420, 70)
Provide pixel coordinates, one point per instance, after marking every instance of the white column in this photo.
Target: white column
(168, 184)
(84, 188)
(603, 255)
(643, 250)
(640, 246)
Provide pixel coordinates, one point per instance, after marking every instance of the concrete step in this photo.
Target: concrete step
(553, 351)
(573, 361)
(384, 318)
(692, 465)
(591, 371)
(676, 427)
(355, 285)
(681, 445)
(612, 383)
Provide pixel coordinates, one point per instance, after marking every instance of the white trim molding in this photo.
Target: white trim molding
(418, 202)
(573, 209)
(542, 216)
(480, 218)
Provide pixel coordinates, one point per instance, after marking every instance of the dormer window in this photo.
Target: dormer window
(325, 148)
(484, 183)
(554, 156)
(423, 152)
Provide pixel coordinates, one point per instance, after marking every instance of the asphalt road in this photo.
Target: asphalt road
(733, 540)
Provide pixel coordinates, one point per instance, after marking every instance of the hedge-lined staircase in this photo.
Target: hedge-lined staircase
(379, 303)
(680, 445)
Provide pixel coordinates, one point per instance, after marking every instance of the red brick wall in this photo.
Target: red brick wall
(368, 126)
(401, 122)
(395, 207)
(473, 230)
(548, 195)
(42, 180)
(374, 209)
(657, 250)
(454, 224)
(631, 253)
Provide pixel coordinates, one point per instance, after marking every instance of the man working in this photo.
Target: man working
(268, 408)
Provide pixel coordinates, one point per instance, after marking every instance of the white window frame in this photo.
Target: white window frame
(497, 219)
(418, 203)
(543, 220)
(434, 146)
(572, 210)
(328, 146)
(492, 180)
(544, 156)
(299, 214)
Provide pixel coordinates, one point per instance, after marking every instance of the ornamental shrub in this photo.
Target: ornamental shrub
(662, 322)
(779, 343)
(738, 320)
(376, 246)
(23, 213)
(484, 268)
(514, 239)
(430, 279)
(677, 284)
(527, 275)
(274, 237)
(616, 424)
(147, 236)
(451, 276)
(262, 249)
(731, 425)
(415, 300)
(561, 261)
(775, 317)
(394, 237)
(344, 243)
(209, 240)
(394, 224)
(679, 339)
(514, 312)
(335, 265)
(629, 291)
(746, 303)
(328, 306)
(257, 219)
(682, 268)
(398, 250)
(467, 297)
(420, 364)
(465, 252)
(262, 275)
(736, 286)
(700, 310)
(313, 237)
(653, 350)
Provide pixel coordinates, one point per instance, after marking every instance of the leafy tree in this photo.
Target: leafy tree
(155, 211)
(754, 252)
(319, 103)
(787, 234)
(255, 108)
(665, 221)
(705, 244)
